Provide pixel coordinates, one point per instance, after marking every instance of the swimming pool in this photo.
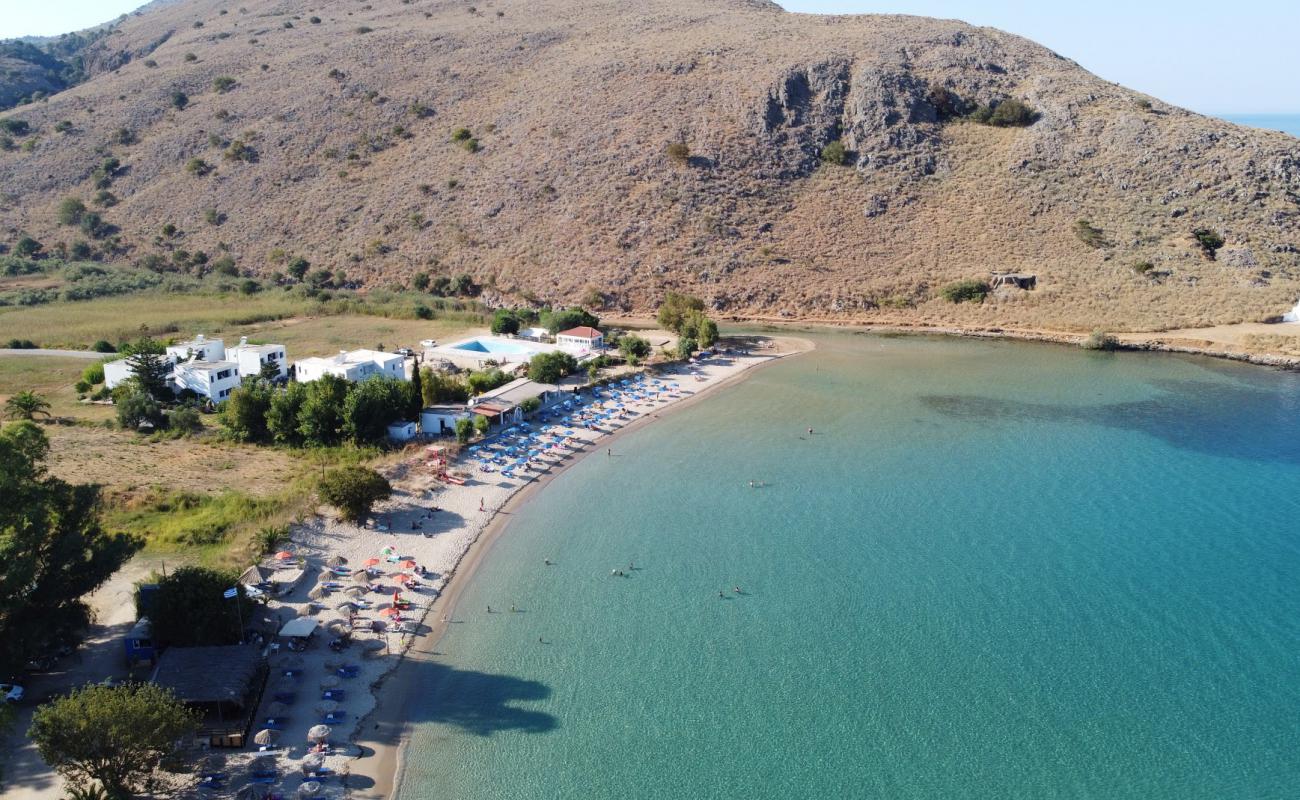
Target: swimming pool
(495, 347)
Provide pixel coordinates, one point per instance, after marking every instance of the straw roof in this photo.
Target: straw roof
(219, 674)
(266, 736)
(319, 732)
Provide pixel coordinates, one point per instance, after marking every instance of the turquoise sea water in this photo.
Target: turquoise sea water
(1287, 123)
(997, 569)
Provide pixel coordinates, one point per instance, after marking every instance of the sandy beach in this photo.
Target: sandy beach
(435, 533)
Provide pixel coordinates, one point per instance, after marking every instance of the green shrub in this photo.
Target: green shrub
(354, 490)
(1143, 267)
(1100, 340)
(1009, 113)
(1209, 240)
(103, 346)
(63, 126)
(223, 83)
(16, 127)
(834, 153)
(240, 151)
(71, 211)
(26, 247)
(198, 167)
(971, 290)
(423, 312)
(1089, 234)
(190, 58)
(20, 344)
(180, 100)
(314, 20)
(678, 152)
(362, 29)
(93, 374)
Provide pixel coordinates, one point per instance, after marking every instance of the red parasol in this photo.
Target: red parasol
(390, 612)
(408, 564)
(370, 562)
(283, 554)
(403, 578)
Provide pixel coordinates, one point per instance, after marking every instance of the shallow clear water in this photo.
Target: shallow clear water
(997, 569)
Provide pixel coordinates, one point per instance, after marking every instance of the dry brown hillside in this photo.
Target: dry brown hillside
(347, 111)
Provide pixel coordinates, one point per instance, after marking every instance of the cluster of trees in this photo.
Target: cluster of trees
(684, 315)
(972, 290)
(354, 490)
(462, 285)
(141, 399)
(512, 320)
(325, 412)
(189, 609)
(551, 367)
(53, 550)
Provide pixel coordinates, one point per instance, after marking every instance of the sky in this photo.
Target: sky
(1212, 57)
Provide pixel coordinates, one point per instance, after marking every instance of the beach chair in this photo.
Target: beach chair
(275, 723)
(334, 694)
(292, 673)
(333, 718)
(348, 671)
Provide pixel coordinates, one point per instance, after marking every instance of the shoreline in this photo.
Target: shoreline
(383, 734)
(1186, 341)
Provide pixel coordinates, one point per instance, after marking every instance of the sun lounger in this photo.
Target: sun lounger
(334, 694)
(333, 718)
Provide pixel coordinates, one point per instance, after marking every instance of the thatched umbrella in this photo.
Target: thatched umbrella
(318, 593)
(329, 682)
(347, 606)
(361, 576)
(336, 561)
(313, 761)
(266, 736)
(338, 626)
(277, 709)
(327, 707)
(355, 591)
(318, 733)
(309, 789)
(253, 791)
(263, 763)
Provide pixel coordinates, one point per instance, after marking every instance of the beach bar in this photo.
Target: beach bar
(223, 683)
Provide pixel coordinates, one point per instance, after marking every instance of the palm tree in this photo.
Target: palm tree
(25, 405)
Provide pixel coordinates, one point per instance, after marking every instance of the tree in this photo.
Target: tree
(633, 348)
(298, 267)
(505, 321)
(114, 735)
(244, 412)
(27, 247)
(26, 405)
(269, 372)
(698, 326)
(148, 364)
(464, 429)
(463, 285)
(282, 416)
(421, 281)
(372, 405)
(439, 387)
(52, 550)
(486, 381)
(135, 406)
(354, 490)
(190, 608)
(551, 367)
(562, 320)
(320, 417)
(481, 424)
(686, 346)
(971, 290)
(673, 310)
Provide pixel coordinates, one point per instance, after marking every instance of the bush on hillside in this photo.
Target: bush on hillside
(1009, 113)
(971, 290)
(1100, 340)
(354, 490)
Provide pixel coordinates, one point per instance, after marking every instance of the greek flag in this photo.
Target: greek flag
(231, 592)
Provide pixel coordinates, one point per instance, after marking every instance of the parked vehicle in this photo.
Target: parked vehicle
(12, 692)
(405, 351)
(427, 342)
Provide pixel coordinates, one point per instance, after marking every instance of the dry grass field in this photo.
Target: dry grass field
(345, 115)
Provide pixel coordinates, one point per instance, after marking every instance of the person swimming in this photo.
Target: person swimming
(736, 589)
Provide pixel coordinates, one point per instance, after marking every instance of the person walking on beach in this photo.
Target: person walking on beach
(480, 505)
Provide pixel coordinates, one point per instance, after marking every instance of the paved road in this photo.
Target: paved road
(86, 354)
(26, 777)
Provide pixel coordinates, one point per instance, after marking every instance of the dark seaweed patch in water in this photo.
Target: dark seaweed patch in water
(1226, 421)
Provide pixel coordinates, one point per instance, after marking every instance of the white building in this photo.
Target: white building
(402, 431)
(441, 420)
(502, 405)
(355, 365)
(252, 357)
(580, 340)
(200, 348)
(115, 372)
(211, 379)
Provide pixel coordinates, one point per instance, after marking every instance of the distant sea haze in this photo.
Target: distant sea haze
(1287, 123)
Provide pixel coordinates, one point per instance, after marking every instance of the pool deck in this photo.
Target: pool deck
(512, 351)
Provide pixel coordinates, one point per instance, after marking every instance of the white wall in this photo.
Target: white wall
(115, 372)
(214, 383)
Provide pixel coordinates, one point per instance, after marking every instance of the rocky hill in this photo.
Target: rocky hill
(607, 151)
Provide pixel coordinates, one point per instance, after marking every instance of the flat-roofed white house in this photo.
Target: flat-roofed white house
(351, 365)
(115, 372)
(441, 420)
(582, 339)
(402, 431)
(251, 358)
(200, 348)
(211, 379)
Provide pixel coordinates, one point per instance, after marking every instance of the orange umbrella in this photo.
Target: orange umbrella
(283, 554)
(370, 562)
(408, 564)
(390, 612)
(403, 578)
